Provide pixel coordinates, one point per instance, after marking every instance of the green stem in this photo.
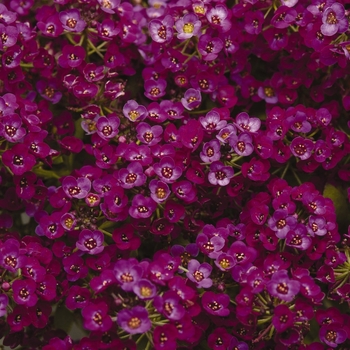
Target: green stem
(285, 171)
(106, 232)
(94, 49)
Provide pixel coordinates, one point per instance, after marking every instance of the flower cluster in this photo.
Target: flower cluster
(174, 174)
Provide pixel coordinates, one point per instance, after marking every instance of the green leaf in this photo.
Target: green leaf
(340, 199)
(63, 318)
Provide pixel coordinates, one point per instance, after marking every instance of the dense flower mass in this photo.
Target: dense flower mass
(174, 174)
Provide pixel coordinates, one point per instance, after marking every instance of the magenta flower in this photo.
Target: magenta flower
(280, 286)
(283, 318)
(333, 335)
(216, 304)
(132, 176)
(127, 273)
(134, 321)
(219, 18)
(167, 170)
(199, 273)
(76, 187)
(72, 56)
(192, 99)
(169, 304)
(24, 292)
(11, 128)
(4, 300)
(77, 298)
(334, 20)
(134, 112)
(90, 241)
(95, 317)
(142, 207)
(107, 127)
(161, 31)
(18, 159)
(188, 26)
(71, 20)
(209, 47)
(220, 174)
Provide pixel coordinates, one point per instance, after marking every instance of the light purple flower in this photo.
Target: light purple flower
(90, 241)
(4, 300)
(134, 321)
(282, 287)
(220, 174)
(188, 26)
(199, 273)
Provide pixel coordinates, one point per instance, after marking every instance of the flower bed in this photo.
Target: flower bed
(174, 174)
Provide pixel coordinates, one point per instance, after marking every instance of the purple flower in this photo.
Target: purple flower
(142, 207)
(109, 6)
(199, 273)
(192, 99)
(7, 16)
(216, 304)
(134, 321)
(246, 123)
(253, 22)
(76, 187)
(127, 273)
(11, 128)
(19, 318)
(298, 238)
(302, 148)
(333, 335)
(212, 121)
(134, 112)
(95, 317)
(8, 36)
(72, 56)
(220, 174)
(150, 135)
(77, 298)
(74, 267)
(282, 223)
(107, 127)
(18, 159)
(209, 47)
(169, 304)
(167, 170)
(48, 90)
(159, 190)
(334, 20)
(51, 26)
(71, 20)
(90, 242)
(4, 300)
(184, 190)
(219, 339)
(188, 26)
(155, 89)
(132, 176)
(210, 246)
(280, 286)
(164, 337)
(107, 278)
(242, 144)
(145, 289)
(218, 18)
(283, 318)
(241, 253)
(24, 292)
(161, 31)
(211, 151)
